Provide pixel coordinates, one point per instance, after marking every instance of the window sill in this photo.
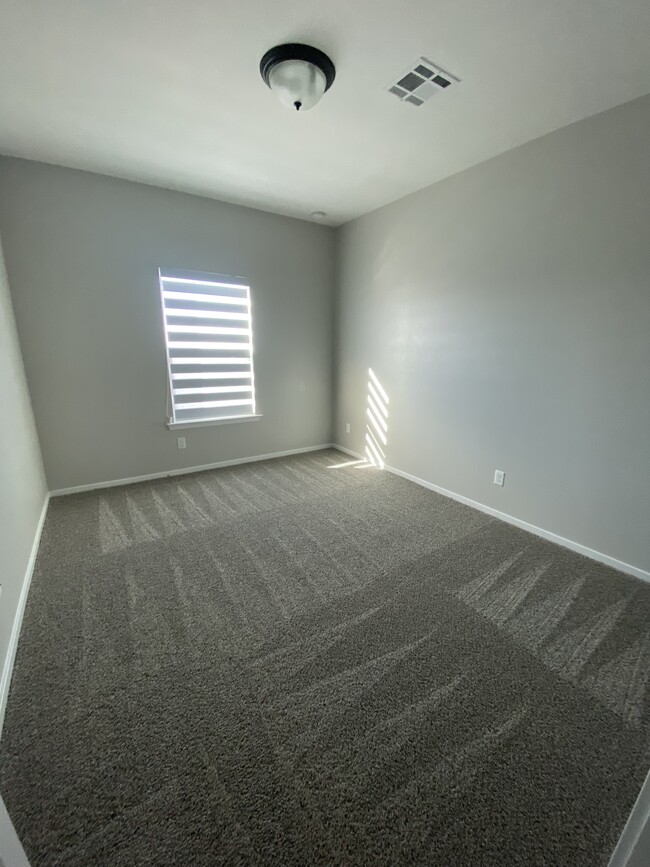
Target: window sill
(209, 422)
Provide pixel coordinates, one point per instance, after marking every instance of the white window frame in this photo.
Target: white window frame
(197, 278)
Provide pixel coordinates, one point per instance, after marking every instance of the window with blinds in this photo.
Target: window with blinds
(209, 339)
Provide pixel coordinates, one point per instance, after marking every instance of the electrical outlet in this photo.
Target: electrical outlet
(180, 441)
(499, 477)
(347, 427)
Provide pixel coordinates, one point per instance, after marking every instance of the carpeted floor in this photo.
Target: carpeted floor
(289, 663)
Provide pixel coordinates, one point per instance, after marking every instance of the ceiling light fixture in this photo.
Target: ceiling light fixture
(297, 74)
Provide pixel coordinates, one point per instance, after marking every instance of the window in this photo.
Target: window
(209, 340)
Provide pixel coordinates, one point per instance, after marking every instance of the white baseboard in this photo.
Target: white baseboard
(78, 489)
(517, 522)
(10, 658)
(348, 451)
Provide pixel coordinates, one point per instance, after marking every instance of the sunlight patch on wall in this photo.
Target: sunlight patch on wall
(377, 424)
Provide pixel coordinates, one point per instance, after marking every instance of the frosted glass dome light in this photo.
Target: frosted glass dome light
(297, 74)
(297, 84)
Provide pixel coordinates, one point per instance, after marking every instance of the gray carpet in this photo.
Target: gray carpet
(283, 663)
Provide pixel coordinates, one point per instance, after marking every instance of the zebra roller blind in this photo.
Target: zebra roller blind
(209, 340)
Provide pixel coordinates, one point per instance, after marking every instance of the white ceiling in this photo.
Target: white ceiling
(168, 91)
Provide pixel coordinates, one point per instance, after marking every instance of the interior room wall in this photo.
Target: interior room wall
(22, 481)
(506, 312)
(83, 253)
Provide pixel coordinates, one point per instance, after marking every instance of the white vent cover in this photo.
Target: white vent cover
(421, 81)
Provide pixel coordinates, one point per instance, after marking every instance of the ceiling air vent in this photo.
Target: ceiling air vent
(421, 81)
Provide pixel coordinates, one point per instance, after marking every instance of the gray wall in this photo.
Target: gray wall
(633, 847)
(641, 855)
(507, 312)
(22, 483)
(12, 853)
(82, 254)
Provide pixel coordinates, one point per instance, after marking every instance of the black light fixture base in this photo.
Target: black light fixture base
(297, 51)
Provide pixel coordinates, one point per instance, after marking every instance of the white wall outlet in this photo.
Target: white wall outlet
(180, 441)
(347, 427)
(499, 477)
